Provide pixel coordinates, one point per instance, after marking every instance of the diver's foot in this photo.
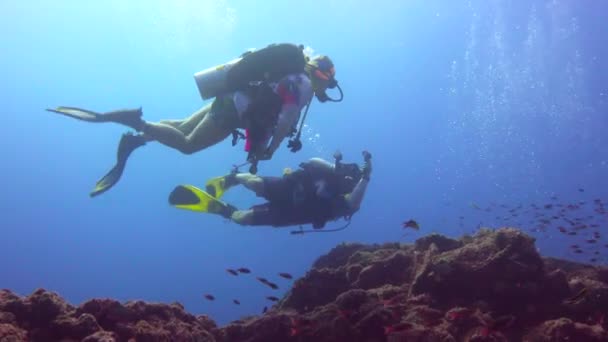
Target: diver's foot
(128, 143)
(128, 117)
(227, 210)
(216, 187)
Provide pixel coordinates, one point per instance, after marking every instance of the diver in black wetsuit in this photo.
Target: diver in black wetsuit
(317, 192)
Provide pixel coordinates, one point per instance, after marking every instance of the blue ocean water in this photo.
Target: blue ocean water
(476, 112)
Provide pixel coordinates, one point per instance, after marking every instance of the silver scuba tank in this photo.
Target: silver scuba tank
(212, 81)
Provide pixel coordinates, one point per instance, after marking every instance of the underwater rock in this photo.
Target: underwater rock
(493, 286)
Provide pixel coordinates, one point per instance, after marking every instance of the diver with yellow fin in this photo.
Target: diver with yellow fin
(263, 92)
(317, 192)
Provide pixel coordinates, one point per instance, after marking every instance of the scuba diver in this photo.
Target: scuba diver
(317, 192)
(262, 92)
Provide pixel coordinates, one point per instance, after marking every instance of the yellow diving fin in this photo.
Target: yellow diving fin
(216, 187)
(192, 198)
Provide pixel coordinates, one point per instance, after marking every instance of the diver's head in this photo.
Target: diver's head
(321, 72)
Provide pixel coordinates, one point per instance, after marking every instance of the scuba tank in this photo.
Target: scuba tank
(253, 67)
(213, 81)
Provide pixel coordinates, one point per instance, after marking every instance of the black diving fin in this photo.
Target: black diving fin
(128, 143)
(128, 117)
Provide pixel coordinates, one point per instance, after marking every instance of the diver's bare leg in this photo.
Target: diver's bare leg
(187, 125)
(205, 133)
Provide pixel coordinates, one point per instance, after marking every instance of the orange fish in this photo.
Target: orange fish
(410, 224)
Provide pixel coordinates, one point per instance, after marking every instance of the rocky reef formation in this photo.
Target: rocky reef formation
(493, 286)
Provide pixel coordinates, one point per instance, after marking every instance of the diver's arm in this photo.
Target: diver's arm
(296, 93)
(287, 119)
(355, 198)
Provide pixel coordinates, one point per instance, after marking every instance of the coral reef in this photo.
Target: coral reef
(493, 286)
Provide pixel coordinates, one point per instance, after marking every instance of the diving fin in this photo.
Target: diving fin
(128, 117)
(128, 143)
(217, 186)
(192, 198)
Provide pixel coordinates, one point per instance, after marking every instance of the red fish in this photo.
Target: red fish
(285, 275)
(233, 272)
(244, 270)
(411, 224)
(209, 297)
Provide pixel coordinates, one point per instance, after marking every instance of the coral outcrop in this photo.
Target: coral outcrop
(493, 286)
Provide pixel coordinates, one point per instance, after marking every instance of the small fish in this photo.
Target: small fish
(411, 224)
(265, 309)
(574, 246)
(593, 260)
(236, 301)
(209, 297)
(272, 285)
(272, 298)
(591, 241)
(578, 251)
(233, 272)
(262, 280)
(285, 275)
(571, 233)
(581, 190)
(244, 270)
